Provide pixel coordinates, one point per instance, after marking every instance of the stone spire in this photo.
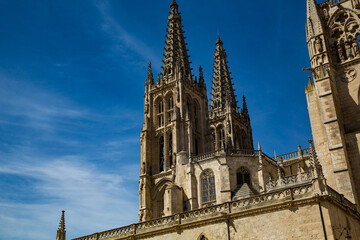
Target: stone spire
(201, 77)
(175, 56)
(150, 76)
(315, 161)
(313, 26)
(244, 110)
(61, 233)
(223, 98)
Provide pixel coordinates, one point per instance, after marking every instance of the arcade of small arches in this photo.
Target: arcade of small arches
(241, 140)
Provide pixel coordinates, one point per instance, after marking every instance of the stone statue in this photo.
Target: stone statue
(341, 52)
(355, 48)
(318, 45)
(326, 14)
(348, 50)
(356, 4)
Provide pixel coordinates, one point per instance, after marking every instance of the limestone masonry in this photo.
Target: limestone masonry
(201, 177)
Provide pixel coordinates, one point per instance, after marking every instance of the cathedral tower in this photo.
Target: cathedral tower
(175, 125)
(333, 30)
(230, 128)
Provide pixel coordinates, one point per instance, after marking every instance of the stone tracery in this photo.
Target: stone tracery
(345, 31)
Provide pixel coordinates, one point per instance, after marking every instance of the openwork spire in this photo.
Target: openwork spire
(223, 98)
(175, 56)
(61, 230)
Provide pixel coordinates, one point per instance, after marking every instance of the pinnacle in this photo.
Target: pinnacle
(174, 4)
(219, 40)
(62, 221)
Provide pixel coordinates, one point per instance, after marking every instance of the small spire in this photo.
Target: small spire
(150, 76)
(244, 109)
(259, 146)
(61, 230)
(201, 76)
(62, 221)
(310, 86)
(315, 161)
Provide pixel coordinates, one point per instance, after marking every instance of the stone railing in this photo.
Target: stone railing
(118, 232)
(187, 217)
(283, 194)
(293, 155)
(287, 181)
(208, 155)
(222, 152)
(334, 2)
(342, 200)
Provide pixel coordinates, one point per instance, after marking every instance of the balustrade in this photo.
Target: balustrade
(238, 205)
(336, 1)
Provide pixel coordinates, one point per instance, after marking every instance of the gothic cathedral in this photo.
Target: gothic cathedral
(201, 177)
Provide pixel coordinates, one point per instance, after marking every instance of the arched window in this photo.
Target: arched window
(161, 114)
(196, 147)
(243, 176)
(161, 154)
(208, 186)
(196, 115)
(170, 109)
(171, 150)
(221, 138)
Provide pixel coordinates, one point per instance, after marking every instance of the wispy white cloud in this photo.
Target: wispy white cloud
(95, 200)
(96, 196)
(123, 40)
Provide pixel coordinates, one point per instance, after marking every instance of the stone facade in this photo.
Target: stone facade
(333, 100)
(201, 177)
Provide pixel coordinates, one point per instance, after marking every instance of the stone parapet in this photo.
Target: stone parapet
(274, 200)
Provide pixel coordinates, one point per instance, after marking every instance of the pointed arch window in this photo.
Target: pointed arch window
(171, 150)
(161, 154)
(243, 176)
(170, 109)
(222, 138)
(160, 114)
(208, 186)
(197, 150)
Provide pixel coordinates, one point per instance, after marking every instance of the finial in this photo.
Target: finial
(259, 146)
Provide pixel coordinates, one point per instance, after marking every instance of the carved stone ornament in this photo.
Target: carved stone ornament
(349, 75)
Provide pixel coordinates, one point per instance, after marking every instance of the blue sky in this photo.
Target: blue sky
(72, 79)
